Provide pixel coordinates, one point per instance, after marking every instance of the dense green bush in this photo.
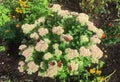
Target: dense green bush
(27, 10)
(4, 15)
(16, 12)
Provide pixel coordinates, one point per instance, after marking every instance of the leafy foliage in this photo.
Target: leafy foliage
(112, 33)
(3, 15)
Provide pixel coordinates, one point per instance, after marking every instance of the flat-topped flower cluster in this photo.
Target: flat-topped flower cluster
(59, 45)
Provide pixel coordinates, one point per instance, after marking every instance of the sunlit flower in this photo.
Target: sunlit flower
(52, 69)
(91, 26)
(57, 30)
(34, 36)
(41, 46)
(27, 52)
(21, 66)
(66, 38)
(22, 3)
(84, 39)
(56, 8)
(99, 33)
(22, 47)
(42, 65)
(96, 52)
(27, 28)
(97, 71)
(84, 51)
(95, 39)
(58, 52)
(83, 18)
(47, 40)
(92, 71)
(18, 10)
(47, 56)
(63, 12)
(32, 67)
(101, 79)
(21, 63)
(43, 31)
(74, 66)
(74, 13)
(41, 19)
(55, 46)
(71, 53)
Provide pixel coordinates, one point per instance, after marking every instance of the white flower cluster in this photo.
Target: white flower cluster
(84, 39)
(66, 38)
(93, 51)
(81, 17)
(42, 31)
(74, 66)
(58, 30)
(93, 28)
(26, 51)
(52, 55)
(21, 66)
(34, 35)
(32, 67)
(41, 46)
(40, 20)
(47, 56)
(57, 8)
(96, 53)
(27, 28)
(71, 53)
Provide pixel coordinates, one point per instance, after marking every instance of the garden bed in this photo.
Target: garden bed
(9, 67)
(60, 40)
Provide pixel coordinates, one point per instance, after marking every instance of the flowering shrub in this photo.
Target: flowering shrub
(62, 45)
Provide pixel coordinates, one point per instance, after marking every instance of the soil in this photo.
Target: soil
(112, 63)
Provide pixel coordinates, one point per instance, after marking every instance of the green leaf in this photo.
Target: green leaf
(2, 48)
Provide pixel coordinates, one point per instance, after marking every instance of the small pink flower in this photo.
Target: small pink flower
(41, 46)
(71, 53)
(84, 51)
(21, 63)
(22, 47)
(32, 67)
(21, 66)
(27, 52)
(96, 52)
(43, 31)
(66, 38)
(34, 36)
(57, 30)
(73, 66)
(95, 39)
